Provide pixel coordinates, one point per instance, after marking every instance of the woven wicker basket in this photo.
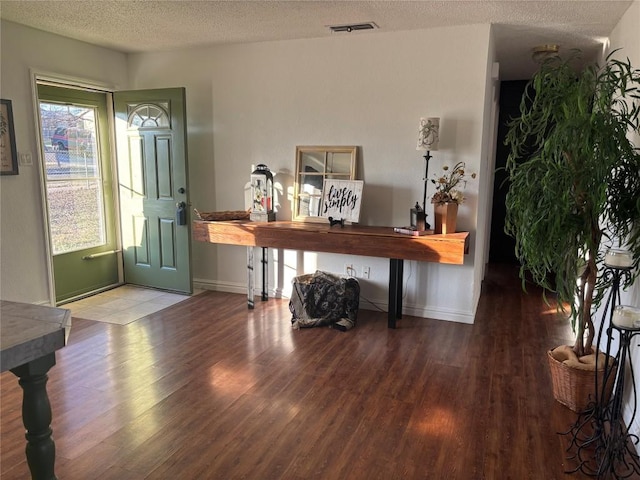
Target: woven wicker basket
(576, 388)
(226, 215)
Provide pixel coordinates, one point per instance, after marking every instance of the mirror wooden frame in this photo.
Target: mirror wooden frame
(323, 157)
(8, 153)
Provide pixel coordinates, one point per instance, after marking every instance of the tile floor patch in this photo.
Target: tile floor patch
(124, 305)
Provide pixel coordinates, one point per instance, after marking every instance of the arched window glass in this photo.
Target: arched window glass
(148, 116)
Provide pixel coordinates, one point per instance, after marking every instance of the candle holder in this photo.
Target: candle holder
(618, 258)
(262, 194)
(626, 317)
(418, 218)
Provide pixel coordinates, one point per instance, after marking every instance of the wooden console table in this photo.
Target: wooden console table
(350, 239)
(30, 336)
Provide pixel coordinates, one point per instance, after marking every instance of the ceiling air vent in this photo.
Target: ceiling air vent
(353, 27)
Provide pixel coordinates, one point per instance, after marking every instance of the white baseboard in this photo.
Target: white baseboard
(216, 286)
(450, 315)
(231, 287)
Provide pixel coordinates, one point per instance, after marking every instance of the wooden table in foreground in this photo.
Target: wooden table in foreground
(350, 239)
(29, 337)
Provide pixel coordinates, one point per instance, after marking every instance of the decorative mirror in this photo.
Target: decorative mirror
(313, 166)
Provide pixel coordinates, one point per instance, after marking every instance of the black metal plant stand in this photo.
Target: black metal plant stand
(601, 445)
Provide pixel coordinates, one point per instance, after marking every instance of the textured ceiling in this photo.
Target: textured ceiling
(151, 25)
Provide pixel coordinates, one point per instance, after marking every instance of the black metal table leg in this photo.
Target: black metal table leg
(265, 280)
(250, 278)
(399, 274)
(395, 291)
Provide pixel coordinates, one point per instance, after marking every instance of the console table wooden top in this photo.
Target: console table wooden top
(350, 239)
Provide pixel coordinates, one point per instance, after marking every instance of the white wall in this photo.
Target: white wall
(254, 103)
(261, 100)
(626, 36)
(23, 272)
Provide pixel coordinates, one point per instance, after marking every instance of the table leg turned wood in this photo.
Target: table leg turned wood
(36, 416)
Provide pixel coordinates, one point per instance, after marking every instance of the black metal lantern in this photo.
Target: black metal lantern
(262, 195)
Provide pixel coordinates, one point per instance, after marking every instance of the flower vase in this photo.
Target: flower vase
(446, 215)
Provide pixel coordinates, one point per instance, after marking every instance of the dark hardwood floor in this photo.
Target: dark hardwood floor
(209, 390)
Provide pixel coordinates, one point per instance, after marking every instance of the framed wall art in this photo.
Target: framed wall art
(8, 154)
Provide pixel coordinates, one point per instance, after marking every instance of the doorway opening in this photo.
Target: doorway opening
(502, 246)
(111, 219)
(78, 189)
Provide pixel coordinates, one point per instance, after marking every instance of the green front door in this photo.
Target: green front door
(152, 173)
(79, 190)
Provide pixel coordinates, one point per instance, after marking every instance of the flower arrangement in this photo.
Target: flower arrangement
(450, 184)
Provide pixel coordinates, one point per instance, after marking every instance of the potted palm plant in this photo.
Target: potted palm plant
(574, 180)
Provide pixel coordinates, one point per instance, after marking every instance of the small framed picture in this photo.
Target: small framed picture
(341, 200)
(8, 154)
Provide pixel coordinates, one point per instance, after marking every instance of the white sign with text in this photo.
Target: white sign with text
(341, 199)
